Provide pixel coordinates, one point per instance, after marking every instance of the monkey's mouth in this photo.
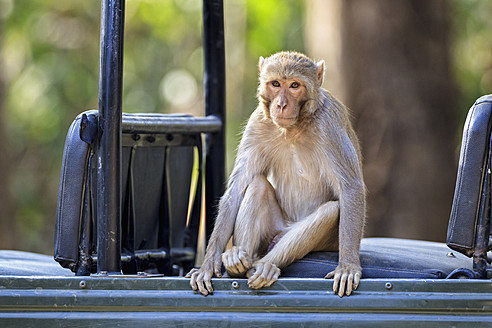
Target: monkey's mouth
(283, 121)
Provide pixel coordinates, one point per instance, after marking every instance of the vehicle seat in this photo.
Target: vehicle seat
(160, 202)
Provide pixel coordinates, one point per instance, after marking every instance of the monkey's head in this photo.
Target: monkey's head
(289, 87)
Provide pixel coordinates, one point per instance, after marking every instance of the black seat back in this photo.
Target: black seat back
(469, 229)
(160, 202)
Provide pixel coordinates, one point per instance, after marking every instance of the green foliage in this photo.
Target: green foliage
(50, 52)
(274, 26)
(472, 49)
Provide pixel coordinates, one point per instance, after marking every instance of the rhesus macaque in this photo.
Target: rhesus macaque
(296, 186)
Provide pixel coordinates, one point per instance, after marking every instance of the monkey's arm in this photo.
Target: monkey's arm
(224, 225)
(247, 166)
(352, 195)
(352, 211)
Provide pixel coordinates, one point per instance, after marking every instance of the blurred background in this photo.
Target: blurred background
(409, 71)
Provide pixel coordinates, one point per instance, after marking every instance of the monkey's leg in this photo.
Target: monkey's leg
(259, 219)
(318, 231)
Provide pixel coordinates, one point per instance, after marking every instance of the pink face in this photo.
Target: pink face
(286, 96)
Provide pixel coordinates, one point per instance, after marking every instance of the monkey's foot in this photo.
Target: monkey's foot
(346, 278)
(262, 274)
(236, 261)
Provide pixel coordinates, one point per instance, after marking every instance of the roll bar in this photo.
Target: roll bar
(110, 118)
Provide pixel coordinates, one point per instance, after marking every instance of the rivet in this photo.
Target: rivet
(82, 284)
(235, 284)
(388, 285)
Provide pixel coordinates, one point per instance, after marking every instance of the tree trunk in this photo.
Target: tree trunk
(396, 79)
(399, 86)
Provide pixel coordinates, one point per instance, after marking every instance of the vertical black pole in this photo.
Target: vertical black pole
(214, 85)
(109, 148)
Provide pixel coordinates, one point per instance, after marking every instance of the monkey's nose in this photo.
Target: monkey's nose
(282, 107)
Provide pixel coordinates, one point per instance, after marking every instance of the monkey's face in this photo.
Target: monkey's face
(286, 99)
(288, 81)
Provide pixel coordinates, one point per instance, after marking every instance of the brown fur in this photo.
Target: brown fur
(298, 175)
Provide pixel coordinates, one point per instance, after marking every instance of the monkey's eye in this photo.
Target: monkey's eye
(276, 84)
(295, 85)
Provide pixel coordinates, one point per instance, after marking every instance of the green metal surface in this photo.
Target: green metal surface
(169, 302)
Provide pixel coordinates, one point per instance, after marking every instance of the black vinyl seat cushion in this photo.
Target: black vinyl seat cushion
(387, 258)
(18, 263)
(380, 258)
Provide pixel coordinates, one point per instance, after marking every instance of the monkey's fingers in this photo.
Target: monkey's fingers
(238, 264)
(254, 273)
(266, 274)
(356, 279)
(345, 279)
(208, 284)
(336, 281)
(272, 277)
(204, 283)
(236, 261)
(218, 270)
(228, 262)
(343, 284)
(246, 261)
(188, 275)
(330, 275)
(193, 282)
(350, 283)
(232, 263)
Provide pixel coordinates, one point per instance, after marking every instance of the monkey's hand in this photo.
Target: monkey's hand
(262, 274)
(201, 278)
(346, 278)
(237, 261)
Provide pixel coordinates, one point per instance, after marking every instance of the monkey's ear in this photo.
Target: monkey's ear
(320, 71)
(260, 63)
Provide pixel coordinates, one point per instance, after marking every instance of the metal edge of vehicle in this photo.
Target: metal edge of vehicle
(290, 302)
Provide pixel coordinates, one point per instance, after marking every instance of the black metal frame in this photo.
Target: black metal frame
(482, 238)
(110, 121)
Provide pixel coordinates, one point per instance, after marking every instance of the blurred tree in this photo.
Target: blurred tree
(395, 59)
(50, 73)
(399, 84)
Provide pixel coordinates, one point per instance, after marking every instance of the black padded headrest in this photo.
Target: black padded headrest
(70, 195)
(472, 164)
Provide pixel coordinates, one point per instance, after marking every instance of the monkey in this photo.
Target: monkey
(296, 185)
